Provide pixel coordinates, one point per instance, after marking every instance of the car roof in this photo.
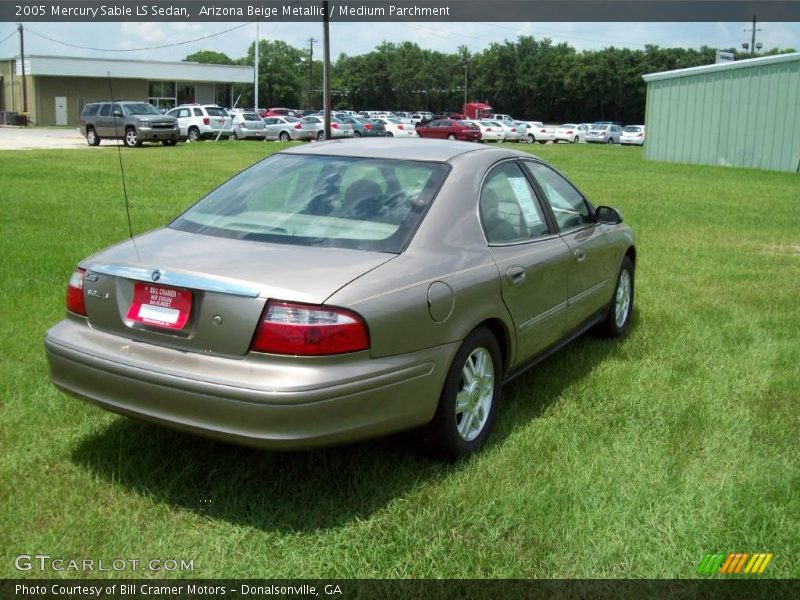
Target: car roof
(421, 149)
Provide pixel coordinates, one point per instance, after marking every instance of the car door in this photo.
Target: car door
(593, 266)
(271, 128)
(532, 259)
(104, 123)
(183, 115)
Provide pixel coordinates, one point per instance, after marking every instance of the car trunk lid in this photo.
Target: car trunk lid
(204, 293)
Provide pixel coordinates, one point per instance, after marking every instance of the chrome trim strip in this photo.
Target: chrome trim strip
(580, 296)
(183, 280)
(544, 316)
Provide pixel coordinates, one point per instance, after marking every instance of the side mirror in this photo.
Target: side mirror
(608, 215)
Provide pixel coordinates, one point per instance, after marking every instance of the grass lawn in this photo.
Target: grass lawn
(610, 459)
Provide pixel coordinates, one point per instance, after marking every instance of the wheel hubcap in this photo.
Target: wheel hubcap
(622, 304)
(474, 398)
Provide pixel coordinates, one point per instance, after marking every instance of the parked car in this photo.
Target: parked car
(499, 117)
(313, 127)
(396, 128)
(450, 129)
(366, 127)
(604, 134)
(570, 132)
(283, 129)
(247, 125)
(327, 294)
(490, 132)
(421, 117)
(133, 122)
(536, 131)
(512, 132)
(632, 135)
(279, 112)
(202, 121)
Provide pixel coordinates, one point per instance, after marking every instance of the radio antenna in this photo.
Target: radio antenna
(122, 169)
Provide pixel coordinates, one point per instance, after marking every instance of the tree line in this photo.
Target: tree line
(528, 78)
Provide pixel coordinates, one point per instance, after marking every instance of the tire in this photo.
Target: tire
(452, 136)
(356, 133)
(620, 309)
(466, 411)
(321, 136)
(389, 134)
(575, 140)
(131, 139)
(531, 139)
(91, 137)
(194, 134)
(235, 136)
(544, 141)
(169, 142)
(284, 137)
(610, 141)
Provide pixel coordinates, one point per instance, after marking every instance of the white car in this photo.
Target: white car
(490, 132)
(632, 135)
(538, 132)
(396, 128)
(570, 132)
(421, 117)
(202, 121)
(247, 125)
(283, 129)
(313, 127)
(498, 117)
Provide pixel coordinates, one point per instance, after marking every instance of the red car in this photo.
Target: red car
(450, 129)
(278, 112)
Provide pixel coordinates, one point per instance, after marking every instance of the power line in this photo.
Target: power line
(8, 37)
(205, 37)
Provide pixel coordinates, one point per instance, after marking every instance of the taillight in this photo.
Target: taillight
(206, 120)
(569, 132)
(75, 303)
(488, 129)
(543, 131)
(400, 127)
(334, 126)
(367, 125)
(298, 126)
(309, 330)
(640, 135)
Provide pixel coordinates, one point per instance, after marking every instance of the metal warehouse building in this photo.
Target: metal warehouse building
(744, 114)
(58, 87)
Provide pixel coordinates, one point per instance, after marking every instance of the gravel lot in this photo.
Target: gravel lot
(41, 138)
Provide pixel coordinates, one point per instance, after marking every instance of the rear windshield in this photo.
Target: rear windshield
(325, 201)
(632, 129)
(140, 108)
(216, 111)
(251, 117)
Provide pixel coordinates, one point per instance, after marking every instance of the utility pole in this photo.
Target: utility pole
(326, 70)
(256, 53)
(22, 67)
(753, 38)
(311, 42)
(466, 64)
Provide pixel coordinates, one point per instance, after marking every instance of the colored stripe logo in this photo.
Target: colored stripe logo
(734, 563)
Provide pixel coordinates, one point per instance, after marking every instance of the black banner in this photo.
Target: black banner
(403, 10)
(403, 589)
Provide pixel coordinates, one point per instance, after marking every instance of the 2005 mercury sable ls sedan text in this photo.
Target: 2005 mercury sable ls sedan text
(346, 290)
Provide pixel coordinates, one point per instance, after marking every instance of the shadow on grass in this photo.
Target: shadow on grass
(305, 491)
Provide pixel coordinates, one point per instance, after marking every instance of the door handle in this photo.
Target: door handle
(516, 275)
(580, 254)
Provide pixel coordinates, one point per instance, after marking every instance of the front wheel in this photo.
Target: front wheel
(468, 403)
(284, 137)
(194, 134)
(169, 142)
(320, 136)
(452, 136)
(131, 138)
(620, 308)
(91, 137)
(531, 139)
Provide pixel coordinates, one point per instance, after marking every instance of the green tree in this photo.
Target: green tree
(210, 56)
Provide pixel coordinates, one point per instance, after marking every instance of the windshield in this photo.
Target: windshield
(140, 108)
(322, 201)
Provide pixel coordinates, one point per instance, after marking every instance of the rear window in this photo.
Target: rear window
(632, 129)
(251, 117)
(216, 111)
(89, 110)
(324, 201)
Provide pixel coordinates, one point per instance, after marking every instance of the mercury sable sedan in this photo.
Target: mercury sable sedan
(345, 290)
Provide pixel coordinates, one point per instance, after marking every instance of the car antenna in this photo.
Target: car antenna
(122, 171)
(219, 133)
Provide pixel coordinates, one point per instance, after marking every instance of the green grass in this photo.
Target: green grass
(610, 459)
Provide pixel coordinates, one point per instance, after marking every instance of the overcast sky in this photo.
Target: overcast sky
(358, 38)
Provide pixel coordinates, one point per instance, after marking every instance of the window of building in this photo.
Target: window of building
(223, 95)
(186, 94)
(162, 94)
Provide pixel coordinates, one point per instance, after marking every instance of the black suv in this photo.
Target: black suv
(133, 122)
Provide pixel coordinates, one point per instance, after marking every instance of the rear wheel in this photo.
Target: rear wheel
(452, 136)
(531, 139)
(284, 137)
(357, 133)
(194, 134)
(131, 138)
(91, 137)
(321, 136)
(468, 404)
(235, 135)
(169, 142)
(575, 140)
(389, 134)
(610, 140)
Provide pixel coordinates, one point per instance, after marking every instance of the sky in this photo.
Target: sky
(358, 38)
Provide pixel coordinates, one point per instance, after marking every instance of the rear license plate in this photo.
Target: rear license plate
(160, 306)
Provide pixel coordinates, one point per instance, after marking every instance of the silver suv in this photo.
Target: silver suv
(202, 121)
(133, 122)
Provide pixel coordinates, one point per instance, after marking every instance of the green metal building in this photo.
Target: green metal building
(744, 114)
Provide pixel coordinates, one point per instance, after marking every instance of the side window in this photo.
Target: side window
(105, 110)
(198, 112)
(569, 207)
(509, 210)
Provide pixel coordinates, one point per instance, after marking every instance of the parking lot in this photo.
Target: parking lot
(40, 138)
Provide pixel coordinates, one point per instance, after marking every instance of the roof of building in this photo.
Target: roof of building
(79, 66)
(729, 66)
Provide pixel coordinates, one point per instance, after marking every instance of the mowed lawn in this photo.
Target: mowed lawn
(632, 458)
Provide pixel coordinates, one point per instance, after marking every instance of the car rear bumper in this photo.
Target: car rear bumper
(630, 142)
(263, 401)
